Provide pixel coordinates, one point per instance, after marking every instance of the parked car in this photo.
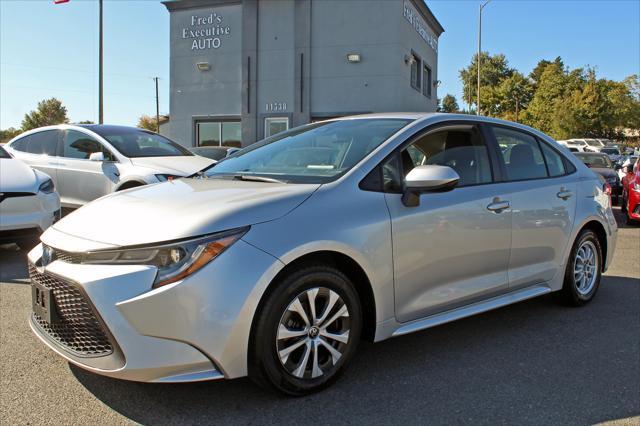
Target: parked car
(29, 203)
(602, 164)
(275, 262)
(631, 193)
(214, 152)
(583, 145)
(612, 152)
(626, 161)
(89, 161)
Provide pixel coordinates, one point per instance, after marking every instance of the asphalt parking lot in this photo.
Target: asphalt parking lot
(536, 362)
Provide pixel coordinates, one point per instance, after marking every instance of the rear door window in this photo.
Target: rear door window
(555, 165)
(40, 143)
(521, 154)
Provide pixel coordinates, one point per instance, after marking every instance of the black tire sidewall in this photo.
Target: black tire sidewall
(264, 349)
(570, 288)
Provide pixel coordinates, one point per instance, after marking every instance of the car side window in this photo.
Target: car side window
(520, 153)
(462, 149)
(555, 163)
(20, 144)
(80, 146)
(40, 143)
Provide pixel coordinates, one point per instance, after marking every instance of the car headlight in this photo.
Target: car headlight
(635, 186)
(164, 178)
(174, 261)
(47, 187)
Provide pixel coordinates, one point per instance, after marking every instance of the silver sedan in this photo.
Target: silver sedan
(277, 261)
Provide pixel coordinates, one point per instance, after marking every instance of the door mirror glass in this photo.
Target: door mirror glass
(96, 156)
(425, 179)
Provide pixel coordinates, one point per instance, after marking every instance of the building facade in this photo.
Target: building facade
(242, 70)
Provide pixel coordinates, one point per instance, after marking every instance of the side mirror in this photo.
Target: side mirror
(96, 156)
(429, 178)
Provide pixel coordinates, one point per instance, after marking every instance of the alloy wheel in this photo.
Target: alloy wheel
(585, 270)
(313, 333)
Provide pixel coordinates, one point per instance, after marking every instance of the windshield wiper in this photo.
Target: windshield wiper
(255, 178)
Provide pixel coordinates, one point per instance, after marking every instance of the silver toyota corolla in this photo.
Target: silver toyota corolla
(276, 261)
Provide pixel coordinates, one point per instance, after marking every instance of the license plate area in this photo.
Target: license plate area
(43, 303)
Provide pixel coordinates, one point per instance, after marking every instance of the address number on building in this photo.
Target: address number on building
(276, 106)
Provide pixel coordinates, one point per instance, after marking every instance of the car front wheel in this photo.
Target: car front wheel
(583, 273)
(306, 332)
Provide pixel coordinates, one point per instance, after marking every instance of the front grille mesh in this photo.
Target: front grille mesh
(64, 256)
(77, 328)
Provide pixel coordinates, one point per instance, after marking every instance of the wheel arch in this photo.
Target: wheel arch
(344, 263)
(128, 184)
(601, 233)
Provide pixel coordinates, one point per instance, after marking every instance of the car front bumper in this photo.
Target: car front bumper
(191, 330)
(28, 216)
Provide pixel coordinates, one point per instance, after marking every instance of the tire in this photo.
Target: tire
(273, 364)
(579, 292)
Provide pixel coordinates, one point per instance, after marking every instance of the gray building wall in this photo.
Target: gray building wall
(288, 58)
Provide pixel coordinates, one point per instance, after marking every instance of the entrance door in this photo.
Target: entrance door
(274, 125)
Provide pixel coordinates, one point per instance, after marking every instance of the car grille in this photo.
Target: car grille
(77, 328)
(62, 255)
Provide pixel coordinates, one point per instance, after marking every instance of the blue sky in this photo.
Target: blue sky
(51, 50)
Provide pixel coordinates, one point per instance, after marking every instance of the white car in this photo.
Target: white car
(29, 203)
(583, 145)
(89, 161)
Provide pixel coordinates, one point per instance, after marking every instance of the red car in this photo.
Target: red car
(631, 193)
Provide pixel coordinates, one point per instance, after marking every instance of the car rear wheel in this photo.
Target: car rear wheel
(306, 332)
(584, 269)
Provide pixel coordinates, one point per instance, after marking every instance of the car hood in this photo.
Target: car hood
(177, 165)
(16, 176)
(604, 172)
(178, 209)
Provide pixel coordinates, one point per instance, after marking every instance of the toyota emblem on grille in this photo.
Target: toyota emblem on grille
(47, 256)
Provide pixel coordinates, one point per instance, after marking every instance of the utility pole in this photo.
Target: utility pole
(100, 73)
(482, 5)
(157, 107)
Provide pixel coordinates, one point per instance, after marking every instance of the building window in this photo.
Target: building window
(415, 64)
(428, 82)
(218, 133)
(274, 125)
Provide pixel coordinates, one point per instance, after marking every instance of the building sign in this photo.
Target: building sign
(275, 106)
(206, 31)
(415, 20)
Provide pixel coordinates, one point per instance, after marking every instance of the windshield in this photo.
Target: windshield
(135, 143)
(601, 161)
(612, 151)
(3, 153)
(316, 153)
(593, 142)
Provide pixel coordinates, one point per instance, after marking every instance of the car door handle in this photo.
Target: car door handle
(564, 194)
(498, 206)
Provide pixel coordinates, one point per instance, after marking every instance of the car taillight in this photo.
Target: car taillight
(607, 189)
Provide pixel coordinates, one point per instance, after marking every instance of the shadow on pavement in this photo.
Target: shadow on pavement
(13, 269)
(536, 362)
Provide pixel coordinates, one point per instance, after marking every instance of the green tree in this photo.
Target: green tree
(549, 95)
(148, 122)
(536, 73)
(493, 70)
(49, 112)
(7, 134)
(509, 98)
(449, 104)
(85, 122)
